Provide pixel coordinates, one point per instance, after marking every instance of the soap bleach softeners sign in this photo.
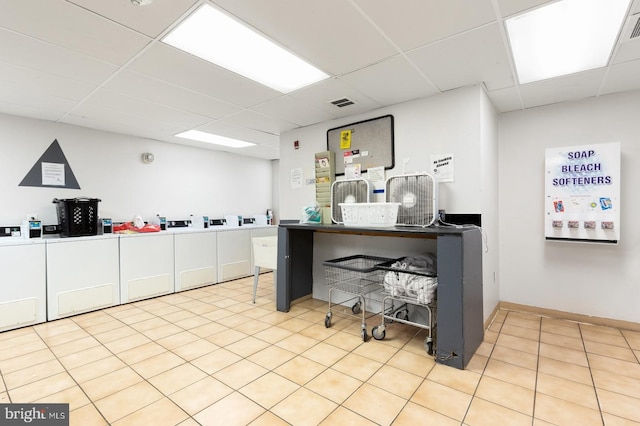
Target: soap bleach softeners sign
(582, 193)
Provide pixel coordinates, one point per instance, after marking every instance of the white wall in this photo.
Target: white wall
(181, 181)
(591, 279)
(489, 203)
(461, 122)
(275, 189)
(447, 123)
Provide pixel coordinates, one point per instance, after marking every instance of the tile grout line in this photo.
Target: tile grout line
(466, 413)
(408, 345)
(91, 401)
(593, 382)
(535, 387)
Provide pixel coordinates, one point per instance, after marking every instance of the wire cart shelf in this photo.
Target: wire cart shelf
(407, 287)
(356, 275)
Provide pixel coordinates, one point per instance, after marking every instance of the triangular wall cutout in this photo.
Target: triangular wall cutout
(57, 172)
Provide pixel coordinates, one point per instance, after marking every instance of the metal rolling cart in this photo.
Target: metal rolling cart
(357, 275)
(412, 287)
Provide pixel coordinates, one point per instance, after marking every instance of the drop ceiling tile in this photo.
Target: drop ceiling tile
(33, 104)
(505, 100)
(33, 98)
(146, 88)
(150, 20)
(321, 94)
(176, 67)
(473, 57)
(414, 23)
(257, 121)
(37, 55)
(267, 152)
(31, 81)
(237, 132)
(512, 7)
(562, 89)
(622, 77)
(69, 26)
(49, 113)
(123, 109)
(330, 34)
(114, 122)
(390, 82)
(629, 51)
(294, 111)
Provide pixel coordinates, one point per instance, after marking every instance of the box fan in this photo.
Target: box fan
(347, 191)
(417, 194)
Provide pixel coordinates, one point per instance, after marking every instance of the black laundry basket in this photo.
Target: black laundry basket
(77, 216)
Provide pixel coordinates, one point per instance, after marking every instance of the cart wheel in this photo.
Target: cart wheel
(428, 346)
(378, 332)
(327, 321)
(403, 315)
(364, 335)
(356, 308)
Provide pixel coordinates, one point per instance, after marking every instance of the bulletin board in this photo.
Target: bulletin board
(368, 143)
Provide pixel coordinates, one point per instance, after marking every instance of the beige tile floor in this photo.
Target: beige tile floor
(209, 356)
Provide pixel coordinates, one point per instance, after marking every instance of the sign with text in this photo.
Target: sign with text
(35, 414)
(582, 193)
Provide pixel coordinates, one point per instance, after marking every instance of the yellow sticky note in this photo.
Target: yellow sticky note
(345, 139)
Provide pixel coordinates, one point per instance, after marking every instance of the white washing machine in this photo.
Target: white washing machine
(82, 275)
(23, 294)
(196, 258)
(147, 266)
(234, 253)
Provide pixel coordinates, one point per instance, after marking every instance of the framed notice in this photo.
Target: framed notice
(582, 193)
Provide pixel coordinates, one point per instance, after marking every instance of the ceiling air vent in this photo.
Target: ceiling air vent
(342, 102)
(636, 28)
(631, 31)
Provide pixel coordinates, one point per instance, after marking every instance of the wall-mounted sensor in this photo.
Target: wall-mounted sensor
(147, 157)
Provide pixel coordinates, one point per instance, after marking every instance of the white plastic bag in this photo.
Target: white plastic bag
(311, 214)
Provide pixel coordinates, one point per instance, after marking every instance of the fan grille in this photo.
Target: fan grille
(347, 191)
(417, 196)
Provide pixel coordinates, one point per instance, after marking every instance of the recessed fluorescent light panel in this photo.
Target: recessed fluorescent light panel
(197, 135)
(216, 37)
(565, 37)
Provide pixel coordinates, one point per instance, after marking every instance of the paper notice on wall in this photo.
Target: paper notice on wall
(352, 171)
(375, 176)
(348, 157)
(296, 178)
(53, 174)
(442, 167)
(345, 139)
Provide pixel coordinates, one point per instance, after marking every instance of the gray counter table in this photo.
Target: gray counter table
(459, 250)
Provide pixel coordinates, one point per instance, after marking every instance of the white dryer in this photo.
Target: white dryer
(23, 293)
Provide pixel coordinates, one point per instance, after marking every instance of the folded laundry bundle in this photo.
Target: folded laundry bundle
(413, 277)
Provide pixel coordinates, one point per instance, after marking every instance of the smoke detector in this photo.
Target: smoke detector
(147, 157)
(141, 2)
